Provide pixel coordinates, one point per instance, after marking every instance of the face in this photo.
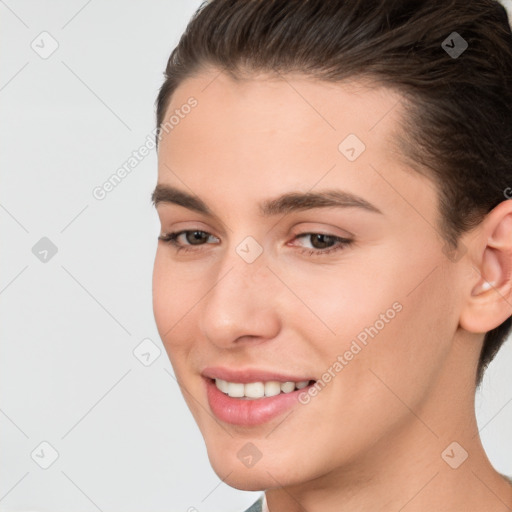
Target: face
(305, 255)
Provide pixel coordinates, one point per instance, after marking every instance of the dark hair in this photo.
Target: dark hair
(458, 124)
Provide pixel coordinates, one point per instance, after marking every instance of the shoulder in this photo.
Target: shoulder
(257, 506)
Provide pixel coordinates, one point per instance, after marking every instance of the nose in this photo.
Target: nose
(242, 304)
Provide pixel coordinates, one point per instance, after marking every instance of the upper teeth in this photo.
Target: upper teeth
(258, 389)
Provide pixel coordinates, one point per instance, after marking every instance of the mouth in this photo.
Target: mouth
(251, 404)
(259, 389)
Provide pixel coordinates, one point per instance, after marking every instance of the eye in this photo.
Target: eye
(194, 237)
(321, 243)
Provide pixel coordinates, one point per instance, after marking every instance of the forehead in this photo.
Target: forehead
(291, 107)
(246, 132)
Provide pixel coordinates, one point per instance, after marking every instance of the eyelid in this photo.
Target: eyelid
(192, 224)
(327, 229)
(307, 234)
(340, 243)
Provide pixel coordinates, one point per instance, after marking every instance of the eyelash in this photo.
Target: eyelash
(170, 238)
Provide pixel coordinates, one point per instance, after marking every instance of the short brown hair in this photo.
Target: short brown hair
(458, 124)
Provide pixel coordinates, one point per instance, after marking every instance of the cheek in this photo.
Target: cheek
(405, 356)
(172, 299)
(339, 303)
(426, 329)
(162, 295)
(386, 321)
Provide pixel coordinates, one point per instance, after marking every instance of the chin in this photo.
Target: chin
(260, 477)
(246, 479)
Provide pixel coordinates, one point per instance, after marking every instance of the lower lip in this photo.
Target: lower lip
(247, 413)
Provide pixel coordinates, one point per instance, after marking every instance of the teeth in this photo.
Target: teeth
(236, 390)
(222, 385)
(272, 388)
(258, 389)
(254, 389)
(287, 387)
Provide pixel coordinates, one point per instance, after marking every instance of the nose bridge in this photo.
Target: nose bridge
(242, 299)
(244, 267)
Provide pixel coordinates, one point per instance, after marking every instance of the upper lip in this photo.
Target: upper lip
(246, 375)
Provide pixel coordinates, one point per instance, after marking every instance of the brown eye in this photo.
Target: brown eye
(321, 241)
(195, 237)
(192, 237)
(323, 244)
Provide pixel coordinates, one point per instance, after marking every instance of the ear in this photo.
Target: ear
(489, 302)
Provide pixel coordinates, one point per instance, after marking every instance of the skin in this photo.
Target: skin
(372, 439)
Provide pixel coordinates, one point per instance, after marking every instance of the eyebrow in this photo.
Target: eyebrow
(284, 204)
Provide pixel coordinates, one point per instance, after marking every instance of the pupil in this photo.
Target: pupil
(197, 236)
(320, 236)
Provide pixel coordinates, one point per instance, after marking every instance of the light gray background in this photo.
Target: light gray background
(68, 375)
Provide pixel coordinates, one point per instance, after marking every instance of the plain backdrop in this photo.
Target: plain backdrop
(87, 421)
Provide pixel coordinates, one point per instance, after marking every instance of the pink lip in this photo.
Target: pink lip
(238, 411)
(247, 375)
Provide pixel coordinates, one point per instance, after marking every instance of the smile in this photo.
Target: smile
(254, 390)
(253, 403)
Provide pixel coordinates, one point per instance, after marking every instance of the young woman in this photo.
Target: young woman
(334, 269)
